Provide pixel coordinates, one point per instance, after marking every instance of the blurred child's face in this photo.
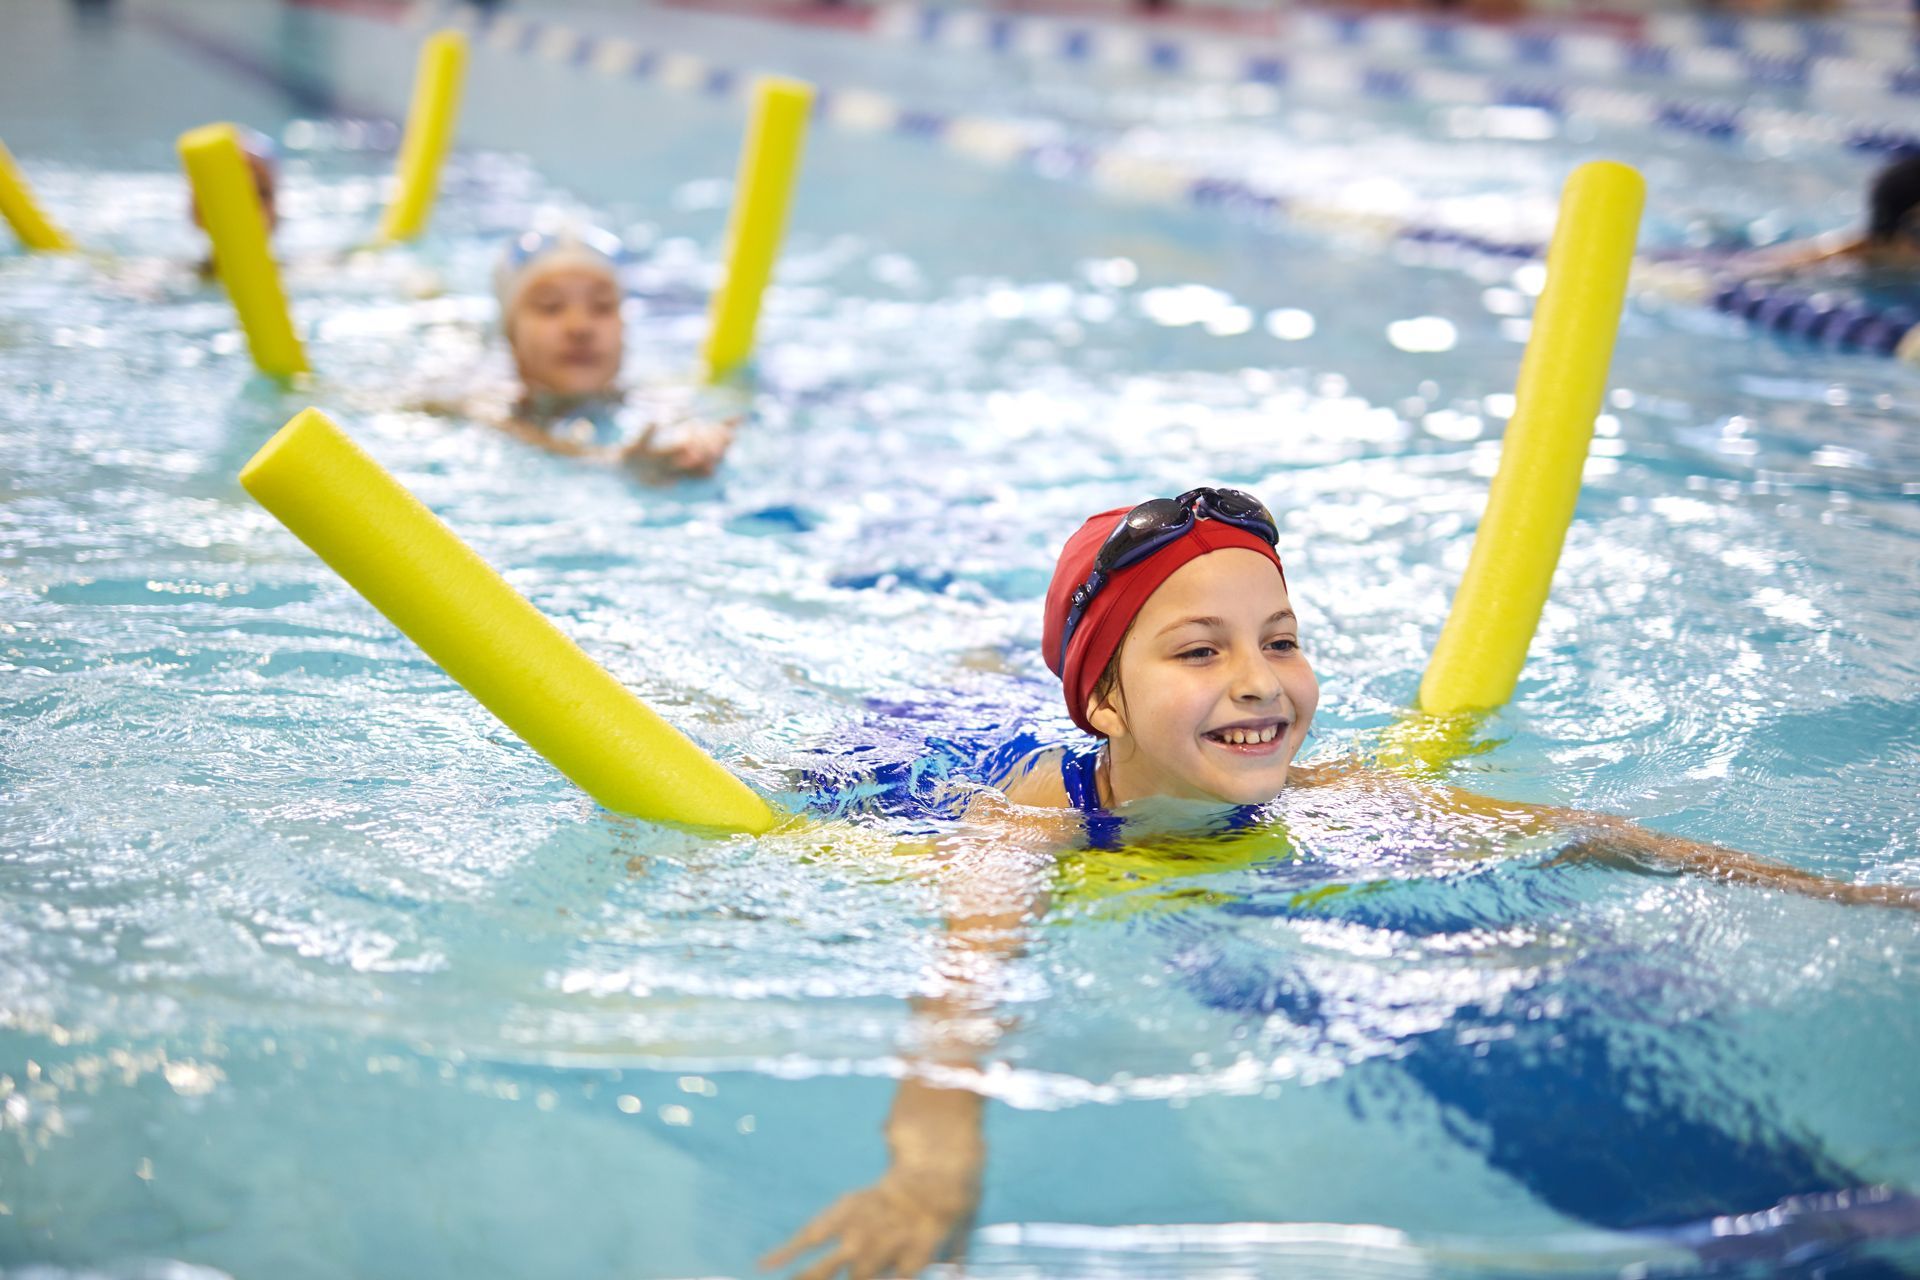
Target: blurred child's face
(566, 333)
(1214, 695)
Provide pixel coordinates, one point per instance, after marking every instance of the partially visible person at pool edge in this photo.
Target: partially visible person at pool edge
(1174, 635)
(560, 298)
(1891, 241)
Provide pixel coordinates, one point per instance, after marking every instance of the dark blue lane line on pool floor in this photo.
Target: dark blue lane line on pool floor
(1600, 1125)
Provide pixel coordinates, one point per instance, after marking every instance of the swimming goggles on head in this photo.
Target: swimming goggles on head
(524, 248)
(1157, 523)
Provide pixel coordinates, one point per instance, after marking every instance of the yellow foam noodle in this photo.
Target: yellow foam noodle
(1426, 746)
(430, 125)
(769, 165)
(1563, 375)
(229, 201)
(415, 570)
(22, 211)
(1158, 875)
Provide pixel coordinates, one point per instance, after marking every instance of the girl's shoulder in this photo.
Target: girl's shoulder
(1035, 780)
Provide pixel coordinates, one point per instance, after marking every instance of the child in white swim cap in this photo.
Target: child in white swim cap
(560, 296)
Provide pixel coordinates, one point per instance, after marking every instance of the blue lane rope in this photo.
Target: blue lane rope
(1782, 310)
(1082, 44)
(1818, 318)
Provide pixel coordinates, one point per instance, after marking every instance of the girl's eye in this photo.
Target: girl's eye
(1284, 644)
(1195, 653)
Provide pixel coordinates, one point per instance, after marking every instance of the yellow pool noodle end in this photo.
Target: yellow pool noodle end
(1425, 746)
(487, 636)
(431, 120)
(1563, 375)
(763, 191)
(23, 212)
(223, 186)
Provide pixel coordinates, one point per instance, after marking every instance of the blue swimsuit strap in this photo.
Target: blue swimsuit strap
(1077, 774)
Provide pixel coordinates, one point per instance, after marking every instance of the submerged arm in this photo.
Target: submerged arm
(921, 1209)
(1604, 837)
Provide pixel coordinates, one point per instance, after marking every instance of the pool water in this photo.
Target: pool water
(309, 968)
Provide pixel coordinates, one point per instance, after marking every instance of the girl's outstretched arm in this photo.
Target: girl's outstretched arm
(1785, 259)
(685, 448)
(690, 446)
(1605, 837)
(921, 1209)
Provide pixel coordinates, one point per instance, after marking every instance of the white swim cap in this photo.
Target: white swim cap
(257, 144)
(534, 252)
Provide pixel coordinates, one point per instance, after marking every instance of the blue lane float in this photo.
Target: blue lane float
(1818, 317)
(980, 138)
(1328, 69)
(1004, 142)
(1721, 52)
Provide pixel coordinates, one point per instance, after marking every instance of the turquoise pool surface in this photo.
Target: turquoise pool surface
(308, 968)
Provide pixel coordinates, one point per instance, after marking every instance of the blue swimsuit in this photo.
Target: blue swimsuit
(1078, 775)
(1078, 771)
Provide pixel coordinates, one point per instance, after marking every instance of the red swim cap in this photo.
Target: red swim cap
(1113, 610)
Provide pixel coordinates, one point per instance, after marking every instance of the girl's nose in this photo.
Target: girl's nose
(1253, 679)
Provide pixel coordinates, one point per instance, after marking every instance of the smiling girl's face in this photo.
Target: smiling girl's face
(1213, 694)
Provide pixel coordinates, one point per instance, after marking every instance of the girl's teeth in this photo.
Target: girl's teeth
(1248, 737)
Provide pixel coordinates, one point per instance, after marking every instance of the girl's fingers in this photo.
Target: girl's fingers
(888, 1255)
(918, 1256)
(830, 1266)
(809, 1237)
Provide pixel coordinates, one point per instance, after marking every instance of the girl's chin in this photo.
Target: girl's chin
(581, 388)
(1235, 791)
(1255, 791)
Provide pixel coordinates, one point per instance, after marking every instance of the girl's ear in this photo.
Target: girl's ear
(1104, 716)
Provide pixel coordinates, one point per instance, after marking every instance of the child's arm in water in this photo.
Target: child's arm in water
(921, 1209)
(691, 446)
(688, 447)
(1799, 255)
(1609, 838)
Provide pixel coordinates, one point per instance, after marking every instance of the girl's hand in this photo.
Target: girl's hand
(690, 448)
(899, 1226)
(921, 1210)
